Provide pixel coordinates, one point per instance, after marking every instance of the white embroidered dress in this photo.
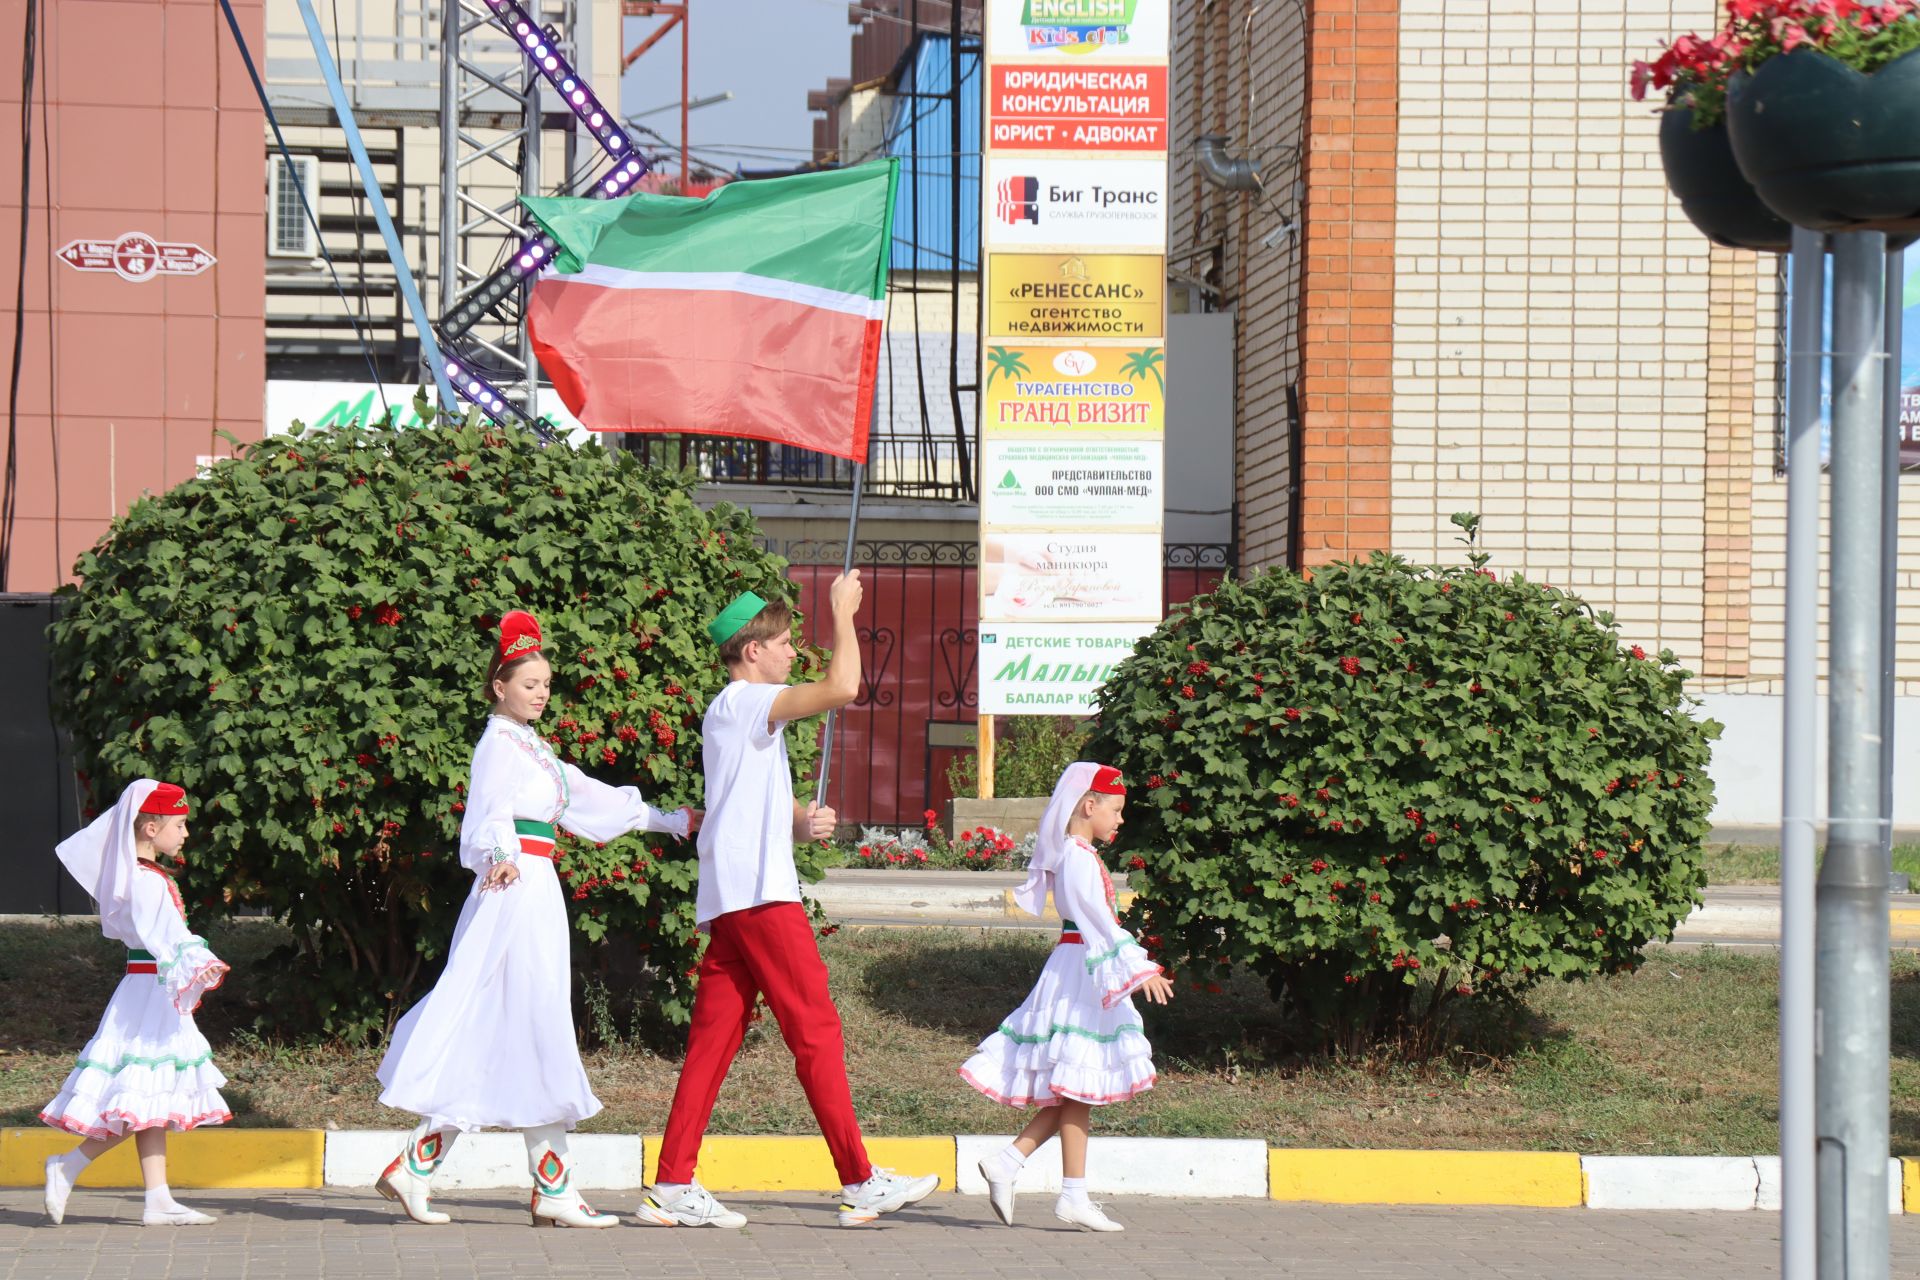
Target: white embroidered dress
(148, 1066)
(492, 1045)
(1077, 1034)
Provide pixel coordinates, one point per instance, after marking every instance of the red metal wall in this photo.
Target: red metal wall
(143, 120)
(918, 644)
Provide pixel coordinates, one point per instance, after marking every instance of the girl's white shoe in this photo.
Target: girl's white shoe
(999, 1188)
(1084, 1214)
(59, 1187)
(178, 1216)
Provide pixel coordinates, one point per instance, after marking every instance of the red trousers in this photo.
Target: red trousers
(765, 950)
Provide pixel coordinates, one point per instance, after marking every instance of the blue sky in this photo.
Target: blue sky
(769, 53)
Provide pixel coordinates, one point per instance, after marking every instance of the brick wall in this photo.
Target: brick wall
(1239, 70)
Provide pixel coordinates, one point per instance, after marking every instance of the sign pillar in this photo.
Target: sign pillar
(1073, 380)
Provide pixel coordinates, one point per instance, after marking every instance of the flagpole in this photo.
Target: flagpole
(846, 567)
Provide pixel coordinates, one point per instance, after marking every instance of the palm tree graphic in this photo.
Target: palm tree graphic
(1141, 363)
(1011, 363)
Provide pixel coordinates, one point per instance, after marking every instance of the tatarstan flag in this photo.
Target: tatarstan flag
(755, 312)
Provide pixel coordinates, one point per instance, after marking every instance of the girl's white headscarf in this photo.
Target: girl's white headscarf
(101, 857)
(1050, 842)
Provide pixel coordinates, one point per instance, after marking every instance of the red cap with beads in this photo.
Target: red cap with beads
(1107, 782)
(519, 634)
(166, 799)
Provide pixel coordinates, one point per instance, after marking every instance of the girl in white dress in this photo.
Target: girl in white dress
(492, 1045)
(147, 1069)
(1075, 1043)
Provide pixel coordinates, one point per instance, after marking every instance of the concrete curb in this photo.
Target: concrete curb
(1194, 1167)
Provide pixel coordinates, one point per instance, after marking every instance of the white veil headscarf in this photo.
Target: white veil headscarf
(101, 857)
(1050, 842)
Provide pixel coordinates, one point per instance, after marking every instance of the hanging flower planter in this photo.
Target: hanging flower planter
(1713, 194)
(1828, 147)
(1819, 101)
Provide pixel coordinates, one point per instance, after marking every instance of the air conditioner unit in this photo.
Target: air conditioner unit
(289, 234)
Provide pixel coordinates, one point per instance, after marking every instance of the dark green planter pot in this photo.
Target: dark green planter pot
(1711, 190)
(1827, 148)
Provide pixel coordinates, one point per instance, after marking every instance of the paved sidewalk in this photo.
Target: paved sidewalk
(289, 1234)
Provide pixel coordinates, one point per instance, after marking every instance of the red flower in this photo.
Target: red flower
(1430, 838)
(627, 733)
(1373, 897)
(1186, 691)
(1290, 800)
(363, 760)
(1155, 782)
(1287, 878)
(339, 828)
(1350, 665)
(1338, 825)
(931, 817)
(1319, 865)
(619, 673)
(1357, 619)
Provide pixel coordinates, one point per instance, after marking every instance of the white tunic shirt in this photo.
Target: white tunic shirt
(746, 838)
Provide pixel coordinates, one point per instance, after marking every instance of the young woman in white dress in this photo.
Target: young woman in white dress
(1075, 1043)
(492, 1045)
(147, 1069)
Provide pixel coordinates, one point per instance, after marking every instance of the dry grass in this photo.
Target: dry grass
(1760, 864)
(1677, 1059)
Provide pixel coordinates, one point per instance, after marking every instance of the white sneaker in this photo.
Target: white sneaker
(692, 1206)
(178, 1216)
(882, 1193)
(999, 1189)
(1084, 1214)
(59, 1187)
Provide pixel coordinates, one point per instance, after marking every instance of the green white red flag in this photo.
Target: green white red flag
(754, 312)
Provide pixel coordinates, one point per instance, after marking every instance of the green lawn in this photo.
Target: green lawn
(1676, 1059)
(1760, 864)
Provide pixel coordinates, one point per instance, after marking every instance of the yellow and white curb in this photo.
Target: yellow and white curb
(1185, 1167)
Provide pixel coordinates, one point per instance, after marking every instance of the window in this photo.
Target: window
(290, 235)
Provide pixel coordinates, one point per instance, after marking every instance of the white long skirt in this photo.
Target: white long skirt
(1060, 1043)
(492, 1045)
(147, 1067)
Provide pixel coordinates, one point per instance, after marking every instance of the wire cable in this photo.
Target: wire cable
(260, 90)
(30, 43)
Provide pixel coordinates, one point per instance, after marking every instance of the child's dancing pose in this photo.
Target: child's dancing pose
(1076, 1042)
(147, 1069)
(492, 1045)
(761, 942)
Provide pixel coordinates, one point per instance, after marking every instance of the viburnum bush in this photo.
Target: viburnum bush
(299, 637)
(1694, 70)
(1387, 787)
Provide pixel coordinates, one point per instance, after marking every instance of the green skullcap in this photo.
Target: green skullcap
(735, 616)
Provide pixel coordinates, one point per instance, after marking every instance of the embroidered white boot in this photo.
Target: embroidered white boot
(409, 1178)
(555, 1203)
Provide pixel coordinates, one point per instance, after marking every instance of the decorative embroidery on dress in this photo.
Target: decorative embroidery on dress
(166, 878)
(536, 748)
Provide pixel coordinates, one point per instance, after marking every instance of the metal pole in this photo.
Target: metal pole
(343, 111)
(449, 163)
(529, 186)
(1851, 969)
(1806, 342)
(846, 566)
(1889, 552)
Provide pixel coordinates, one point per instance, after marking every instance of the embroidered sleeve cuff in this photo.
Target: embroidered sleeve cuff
(191, 973)
(1120, 969)
(499, 855)
(673, 824)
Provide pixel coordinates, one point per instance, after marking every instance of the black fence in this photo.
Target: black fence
(34, 759)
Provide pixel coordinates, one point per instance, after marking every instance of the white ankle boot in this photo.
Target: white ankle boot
(409, 1178)
(554, 1203)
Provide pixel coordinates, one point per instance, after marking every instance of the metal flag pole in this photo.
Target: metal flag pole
(1889, 551)
(343, 111)
(1806, 283)
(1851, 976)
(846, 567)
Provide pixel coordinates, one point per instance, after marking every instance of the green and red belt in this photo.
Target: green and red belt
(536, 838)
(1070, 934)
(141, 961)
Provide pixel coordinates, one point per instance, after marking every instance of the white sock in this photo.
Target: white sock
(670, 1189)
(74, 1163)
(852, 1189)
(160, 1199)
(1073, 1190)
(1007, 1163)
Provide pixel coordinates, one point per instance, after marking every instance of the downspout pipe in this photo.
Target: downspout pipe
(1222, 170)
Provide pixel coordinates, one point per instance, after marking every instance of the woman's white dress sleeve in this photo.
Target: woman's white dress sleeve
(596, 811)
(487, 835)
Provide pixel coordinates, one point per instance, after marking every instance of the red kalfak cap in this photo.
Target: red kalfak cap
(1107, 782)
(166, 800)
(519, 634)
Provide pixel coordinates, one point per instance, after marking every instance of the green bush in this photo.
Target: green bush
(1029, 753)
(299, 637)
(1386, 787)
